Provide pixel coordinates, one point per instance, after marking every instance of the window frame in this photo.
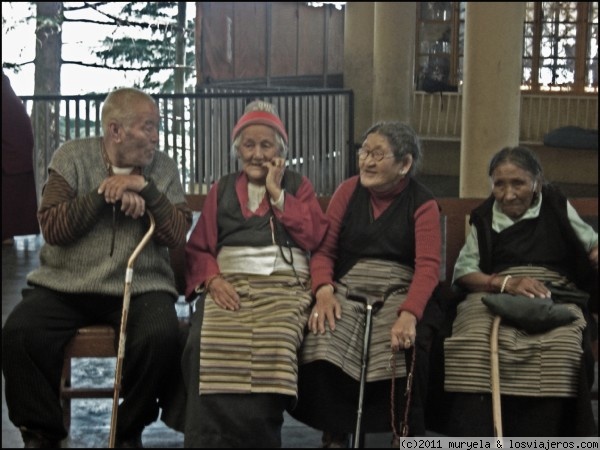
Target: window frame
(583, 24)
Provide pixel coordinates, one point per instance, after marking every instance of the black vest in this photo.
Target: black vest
(547, 241)
(235, 230)
(390, 237)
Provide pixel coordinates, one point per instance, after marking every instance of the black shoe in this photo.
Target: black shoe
(132, 442)
(33, 439)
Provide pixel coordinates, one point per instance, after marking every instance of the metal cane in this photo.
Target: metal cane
(123, 329)
(372, 305)
(495, 376)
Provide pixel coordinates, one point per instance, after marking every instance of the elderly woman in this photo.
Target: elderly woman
(248, 254)
(384, 240)
(525, 240)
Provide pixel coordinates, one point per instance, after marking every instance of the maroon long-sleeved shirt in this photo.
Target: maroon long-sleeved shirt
(427, 241)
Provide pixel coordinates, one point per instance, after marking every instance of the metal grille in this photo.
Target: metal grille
(195, 131)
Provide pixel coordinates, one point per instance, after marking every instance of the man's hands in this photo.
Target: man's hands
(125, 188)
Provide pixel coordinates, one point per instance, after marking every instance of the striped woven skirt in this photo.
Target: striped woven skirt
(330, 363)
(254, 349)
(536, 365)
(344, 346)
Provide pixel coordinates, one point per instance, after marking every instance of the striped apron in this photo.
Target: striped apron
(254, 349)
(535, 365)
(343, 347)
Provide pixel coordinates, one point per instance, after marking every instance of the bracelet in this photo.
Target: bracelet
(489, 282)
(210, 280)
(506, 278)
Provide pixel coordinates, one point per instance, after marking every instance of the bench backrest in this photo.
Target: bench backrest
(454, 212)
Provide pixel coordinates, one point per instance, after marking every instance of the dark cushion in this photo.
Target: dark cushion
(534, 315)
(572, 137)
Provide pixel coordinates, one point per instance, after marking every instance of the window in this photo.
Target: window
(439, 50)
(560, 46)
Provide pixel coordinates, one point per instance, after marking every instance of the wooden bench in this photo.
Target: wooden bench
(99, 341)
(455, 212)
(96, 341)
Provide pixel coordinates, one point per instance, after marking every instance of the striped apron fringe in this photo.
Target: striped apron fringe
(254, 349)
(343, 347)
(534, 365)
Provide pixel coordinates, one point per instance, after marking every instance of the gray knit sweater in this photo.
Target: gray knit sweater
(85, 265)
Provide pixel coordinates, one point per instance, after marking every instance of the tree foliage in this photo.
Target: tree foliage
(140, 37)
(150, 42)
(9, 25)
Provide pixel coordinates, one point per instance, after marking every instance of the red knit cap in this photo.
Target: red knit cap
(259, 118)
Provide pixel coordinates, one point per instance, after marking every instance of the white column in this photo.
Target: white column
(491, 90)
(394, 60)
(358, 62)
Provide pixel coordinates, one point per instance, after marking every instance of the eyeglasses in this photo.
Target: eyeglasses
(377, 155)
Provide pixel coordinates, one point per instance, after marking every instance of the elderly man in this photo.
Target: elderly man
(92, 216)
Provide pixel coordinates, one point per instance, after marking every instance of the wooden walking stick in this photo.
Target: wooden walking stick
(123, 329)
(495, 375)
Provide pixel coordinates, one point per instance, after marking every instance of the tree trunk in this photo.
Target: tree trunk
(179, 83)
(48, 49)
(198, 44)
(180, 40)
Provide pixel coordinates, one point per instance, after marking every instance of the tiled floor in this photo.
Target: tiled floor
(91, 418)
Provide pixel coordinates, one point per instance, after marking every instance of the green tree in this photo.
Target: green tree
(153, 38)
(159, 41)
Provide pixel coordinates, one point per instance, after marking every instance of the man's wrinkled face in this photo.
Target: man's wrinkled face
(139, 137)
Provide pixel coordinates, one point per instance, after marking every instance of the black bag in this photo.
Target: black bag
(534, 315)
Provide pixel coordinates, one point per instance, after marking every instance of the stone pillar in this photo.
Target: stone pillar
(394, 60)
(491, 89)
(358, 62)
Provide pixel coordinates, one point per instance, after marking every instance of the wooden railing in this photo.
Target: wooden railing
(438, 116)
